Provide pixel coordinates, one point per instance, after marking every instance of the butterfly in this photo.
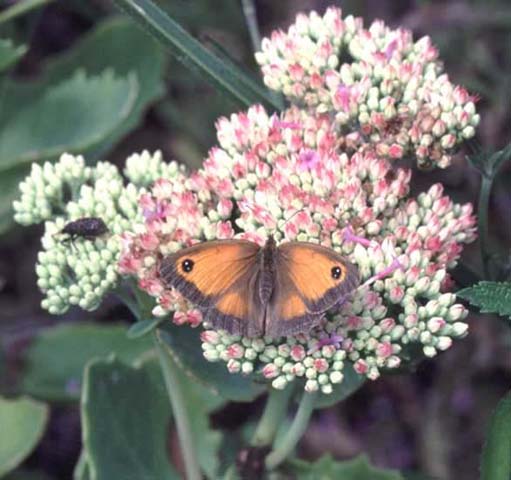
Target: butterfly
(253, 291)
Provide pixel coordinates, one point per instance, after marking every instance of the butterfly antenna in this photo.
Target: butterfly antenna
(293, 215)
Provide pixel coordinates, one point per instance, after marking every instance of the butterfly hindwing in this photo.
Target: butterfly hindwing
(322, 276)
(219, 277)
(310, 279)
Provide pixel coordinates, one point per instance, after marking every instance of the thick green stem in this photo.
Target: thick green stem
(21, 8)
(295, 432)
(169, 369)
(251, 18)
(274, 411)
(482, 219)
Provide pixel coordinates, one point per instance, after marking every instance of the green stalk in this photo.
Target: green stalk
(295, 432)
(496, 456)
(170, 374)
(21, 8)
(274, 411)
(253, 28)
(482, 220)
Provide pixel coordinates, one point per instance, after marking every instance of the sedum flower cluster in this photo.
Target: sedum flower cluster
(81, 271)
(386, 92)
(286, 175)
(321, 171)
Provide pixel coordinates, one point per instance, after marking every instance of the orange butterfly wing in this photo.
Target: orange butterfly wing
(310, 279)
(220, 277)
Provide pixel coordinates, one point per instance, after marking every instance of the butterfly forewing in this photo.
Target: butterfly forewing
(219, 277)
(309, 280)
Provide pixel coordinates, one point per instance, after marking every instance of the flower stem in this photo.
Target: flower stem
(275, 409)
(482, 220)
(251, 18)
(295, 432)
(169, 369)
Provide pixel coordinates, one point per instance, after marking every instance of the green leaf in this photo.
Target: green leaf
(185, 345)
(496, 456)
(139, 329)
(10, 53)
(126, 49)
(351, 383)
(224, 75)
(490, 297)
(200, 403)
(55, 360)
(326, 468)
(74, 116)
(125, 420)
(22, 421)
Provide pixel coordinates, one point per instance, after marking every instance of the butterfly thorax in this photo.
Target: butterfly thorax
(267, 281)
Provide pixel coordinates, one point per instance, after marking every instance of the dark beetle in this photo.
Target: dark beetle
(87, 227)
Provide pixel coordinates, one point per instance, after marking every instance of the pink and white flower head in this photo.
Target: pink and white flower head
(265, 170)
(387, 93)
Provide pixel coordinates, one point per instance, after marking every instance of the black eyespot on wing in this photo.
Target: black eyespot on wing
(187, 265)
(336, 272)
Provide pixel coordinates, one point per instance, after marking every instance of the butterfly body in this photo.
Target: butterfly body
(251, 290)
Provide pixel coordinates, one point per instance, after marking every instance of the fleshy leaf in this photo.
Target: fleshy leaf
(490, 297)
(74, 116)
(184, 343)
(47, 376)
(126, 49)
(125, 420)
(200, 402)
(496, 456)
(22, 424)
(327, 468)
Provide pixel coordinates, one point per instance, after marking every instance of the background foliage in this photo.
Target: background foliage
(81, 77)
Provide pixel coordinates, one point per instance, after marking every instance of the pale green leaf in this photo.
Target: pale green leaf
(126, 49)
(22, 424)
(199, 402)
(55, 360)
(125, 420)
(74, 116)
(496, 456)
